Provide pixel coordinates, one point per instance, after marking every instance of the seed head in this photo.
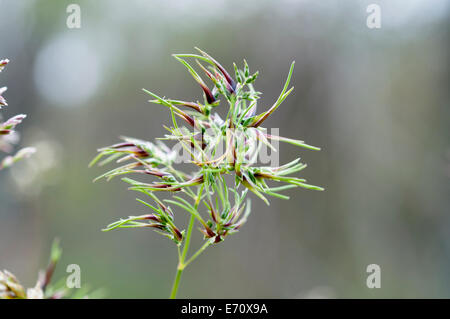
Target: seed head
(241, 133)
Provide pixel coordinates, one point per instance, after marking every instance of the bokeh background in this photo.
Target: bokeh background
(375, 100)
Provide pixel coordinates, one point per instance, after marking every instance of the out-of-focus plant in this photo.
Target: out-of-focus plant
(10, 287)
(8, 135)
(219, 208)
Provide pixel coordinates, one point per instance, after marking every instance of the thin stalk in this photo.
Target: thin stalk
(182, 256)
(198, 252)
(176, 283)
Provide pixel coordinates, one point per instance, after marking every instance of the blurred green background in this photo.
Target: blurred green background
(375, 100)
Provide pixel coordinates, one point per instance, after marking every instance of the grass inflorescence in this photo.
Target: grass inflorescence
(217, 147)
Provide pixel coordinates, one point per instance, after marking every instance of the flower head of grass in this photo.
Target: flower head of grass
(219, 207)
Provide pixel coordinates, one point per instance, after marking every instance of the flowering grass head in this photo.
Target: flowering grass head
(215, 147)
